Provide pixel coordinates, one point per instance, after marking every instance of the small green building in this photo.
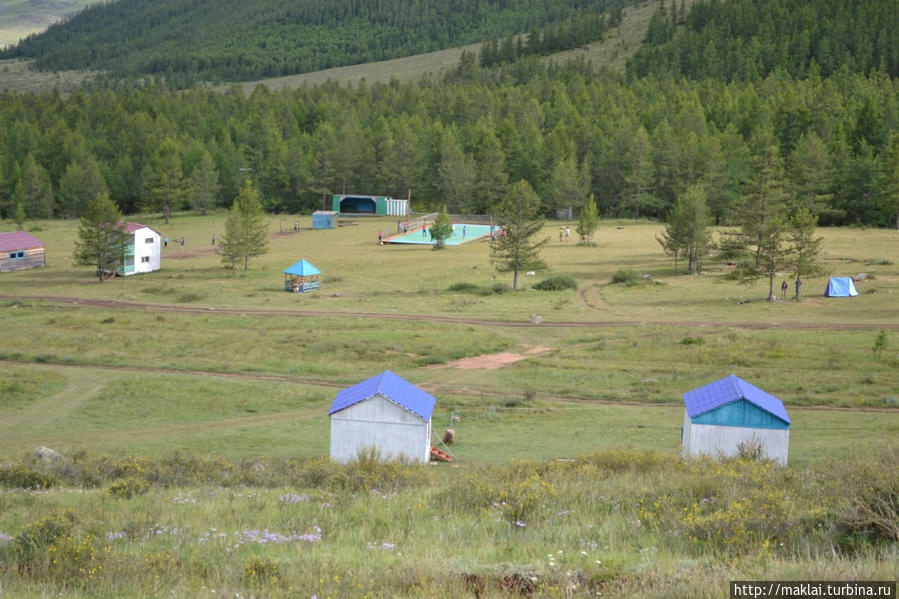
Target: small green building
(366, 204)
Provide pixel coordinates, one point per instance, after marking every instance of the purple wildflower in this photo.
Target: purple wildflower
(5, 538)
(519, 524)
(116, 535)
(294, 498)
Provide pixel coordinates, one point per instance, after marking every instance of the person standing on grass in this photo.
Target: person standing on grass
(166, 242)
(798, 285)
(567, 232)
(783, 290)
(380, 238)
(213, 239)
(182, 241)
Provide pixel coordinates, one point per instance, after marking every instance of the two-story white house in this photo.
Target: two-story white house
(142, 249)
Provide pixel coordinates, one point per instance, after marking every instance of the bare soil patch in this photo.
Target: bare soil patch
(491, 361)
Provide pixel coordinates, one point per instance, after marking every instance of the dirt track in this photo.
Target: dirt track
(115, 304)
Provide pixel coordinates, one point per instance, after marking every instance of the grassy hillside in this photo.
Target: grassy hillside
(192, 41)
(612, 51)
(21, 18)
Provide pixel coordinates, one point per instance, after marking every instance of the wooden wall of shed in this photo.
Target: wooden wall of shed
(724, 441)
(34, 258)
(380, 423)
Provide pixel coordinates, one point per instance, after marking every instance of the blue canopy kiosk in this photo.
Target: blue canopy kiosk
(301, 277)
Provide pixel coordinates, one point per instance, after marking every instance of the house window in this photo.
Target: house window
(149, 240)
(17, 255)
(145, 259)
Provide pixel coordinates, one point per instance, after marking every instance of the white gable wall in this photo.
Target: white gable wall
(724, 441)
(378, 422)
(146, 250)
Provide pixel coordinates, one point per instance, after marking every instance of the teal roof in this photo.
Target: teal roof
(302, 269)
(729, 390)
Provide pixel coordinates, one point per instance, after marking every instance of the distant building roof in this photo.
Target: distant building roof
(132, 227)
(730, 389)
(18, 240)
(391, 386)
(302, 269)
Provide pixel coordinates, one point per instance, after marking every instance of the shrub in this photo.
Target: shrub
(557, 283)
(626, 277)
(40, 534)
(259, 571)
(870, 513)
(692, 341)
(464, 288)
(878, 261)
(496, 288)
(24, 478)
(128, 487)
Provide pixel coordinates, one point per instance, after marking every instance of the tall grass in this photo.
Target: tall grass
(611, 522)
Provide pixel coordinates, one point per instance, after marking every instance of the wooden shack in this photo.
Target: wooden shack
(731, 416)
(385, 413)
(19, 250)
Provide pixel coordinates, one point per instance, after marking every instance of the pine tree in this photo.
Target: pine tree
(686, 233)
(246, 233)
(763, 221)
(518, 215)
(441, 229)
(101, 239)
(34, 190)
(205, 184)
(166, 187)
(804, 246)
(588, 221)
(81, 184)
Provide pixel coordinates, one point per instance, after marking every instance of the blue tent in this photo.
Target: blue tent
(840, 287)
(301, 277)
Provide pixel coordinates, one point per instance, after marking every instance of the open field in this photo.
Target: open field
(191, 410)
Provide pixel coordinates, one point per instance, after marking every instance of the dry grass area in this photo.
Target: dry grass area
(613, 51)
(21, 18)
(15, 74)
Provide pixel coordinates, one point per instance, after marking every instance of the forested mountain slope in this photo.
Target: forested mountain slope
(748, 39)
(237, 40)
(637, 142)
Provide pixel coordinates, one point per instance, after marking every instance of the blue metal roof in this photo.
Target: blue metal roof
(730, 389)
(391, 386)
(303, 269)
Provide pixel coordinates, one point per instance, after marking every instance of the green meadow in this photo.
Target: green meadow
(191, 415)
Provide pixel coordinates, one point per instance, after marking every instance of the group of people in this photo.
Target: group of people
(165, 241)
(564, 233)
(784, 287)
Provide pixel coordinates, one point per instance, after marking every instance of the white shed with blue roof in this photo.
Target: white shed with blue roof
(729, 414)
(385, 412)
